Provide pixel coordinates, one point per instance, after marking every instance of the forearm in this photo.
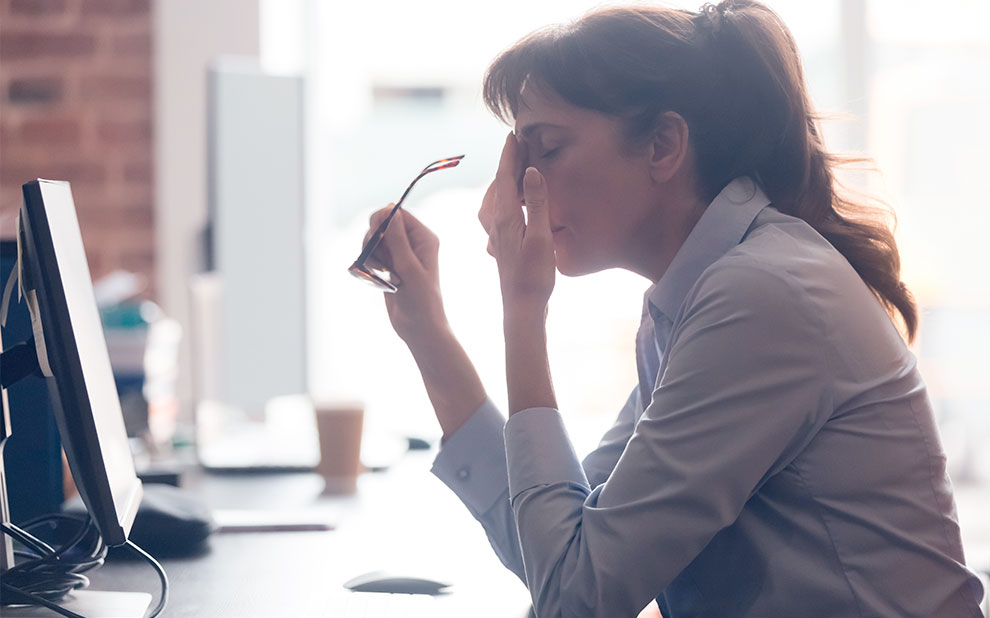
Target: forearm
(527, 370)
(472, 464)
(451, 381)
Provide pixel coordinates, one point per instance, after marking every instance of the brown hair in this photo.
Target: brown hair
(733, 72)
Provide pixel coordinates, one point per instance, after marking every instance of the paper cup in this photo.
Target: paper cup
(340, 427)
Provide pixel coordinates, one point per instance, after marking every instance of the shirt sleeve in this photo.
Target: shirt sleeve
(472, 464)
(598, 464)
(743, 391)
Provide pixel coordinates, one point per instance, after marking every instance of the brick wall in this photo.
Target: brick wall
(75, 104)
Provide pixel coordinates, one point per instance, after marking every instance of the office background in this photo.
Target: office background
(111, 95)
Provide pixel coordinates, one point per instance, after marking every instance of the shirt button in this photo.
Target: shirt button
(463, 473)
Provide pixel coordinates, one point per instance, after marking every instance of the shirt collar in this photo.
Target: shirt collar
(721, 227)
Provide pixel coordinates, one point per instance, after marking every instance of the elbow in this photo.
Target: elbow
(574, 588)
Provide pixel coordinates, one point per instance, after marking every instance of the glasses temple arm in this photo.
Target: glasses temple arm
(376, 238)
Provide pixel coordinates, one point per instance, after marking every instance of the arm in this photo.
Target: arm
(472, 464)
(451, 381)
(472, 460)
(411, 251)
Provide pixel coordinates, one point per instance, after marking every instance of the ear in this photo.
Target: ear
(669, 146)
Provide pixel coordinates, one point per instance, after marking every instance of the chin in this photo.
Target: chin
(570, 267)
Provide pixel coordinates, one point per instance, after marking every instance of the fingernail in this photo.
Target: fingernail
(535, 176)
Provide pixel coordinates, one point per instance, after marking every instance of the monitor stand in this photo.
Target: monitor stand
(91, 604)
(19, 362)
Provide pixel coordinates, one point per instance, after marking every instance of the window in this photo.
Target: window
(395, 86)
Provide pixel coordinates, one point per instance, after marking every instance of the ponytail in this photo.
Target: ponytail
(733, 72)
(785, 151)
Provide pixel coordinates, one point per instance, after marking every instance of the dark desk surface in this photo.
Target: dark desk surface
(404, 521)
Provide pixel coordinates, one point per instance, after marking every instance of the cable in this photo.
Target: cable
(33, 599)
(37, 545)
(47, 574)
(161, 575)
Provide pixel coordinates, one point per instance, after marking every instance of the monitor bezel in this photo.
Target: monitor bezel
(76, 424)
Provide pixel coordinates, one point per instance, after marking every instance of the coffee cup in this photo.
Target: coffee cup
(340, 426)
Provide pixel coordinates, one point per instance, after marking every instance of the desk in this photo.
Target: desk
(404, 520)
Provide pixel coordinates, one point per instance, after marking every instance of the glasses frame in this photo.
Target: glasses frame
(378, 277)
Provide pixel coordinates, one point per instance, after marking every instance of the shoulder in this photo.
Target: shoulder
(744, 282)
(745, 306)
(781, 265)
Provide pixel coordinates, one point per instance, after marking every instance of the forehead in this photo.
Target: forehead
(541, 108)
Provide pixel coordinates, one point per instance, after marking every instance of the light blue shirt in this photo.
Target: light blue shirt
(786, 464)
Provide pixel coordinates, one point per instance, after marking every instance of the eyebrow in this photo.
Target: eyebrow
(528, 131)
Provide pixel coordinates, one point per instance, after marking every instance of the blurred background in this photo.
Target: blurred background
(227, 156)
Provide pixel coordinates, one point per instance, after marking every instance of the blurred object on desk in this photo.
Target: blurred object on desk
(143, 346)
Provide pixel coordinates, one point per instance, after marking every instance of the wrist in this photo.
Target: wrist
(430, 341)
(453, 385)
(524, 317)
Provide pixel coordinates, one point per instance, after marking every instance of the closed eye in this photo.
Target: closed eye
(549, 154)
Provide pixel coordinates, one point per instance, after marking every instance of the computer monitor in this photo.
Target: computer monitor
(71, 354)
(78, 373)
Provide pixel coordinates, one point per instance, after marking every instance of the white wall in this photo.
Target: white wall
(188, 35)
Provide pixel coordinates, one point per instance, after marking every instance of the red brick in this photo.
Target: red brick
(10, 201)
(136, 216)
(131, 238)
(37, 7)
(111, 214)
(126, 194)
(73, 171)
(76, 95)
(139, 262)
(138, 172)
(125, 132)
(116, 7)
(134, 45)
(50, 131)
(40, 44)
(94, 258)
(35, 90)
(116, 87)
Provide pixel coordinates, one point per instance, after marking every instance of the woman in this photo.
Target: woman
(778, 456)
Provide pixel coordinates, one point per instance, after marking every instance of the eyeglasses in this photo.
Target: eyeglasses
(379, 277)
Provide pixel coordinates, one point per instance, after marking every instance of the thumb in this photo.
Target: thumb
(535, 195)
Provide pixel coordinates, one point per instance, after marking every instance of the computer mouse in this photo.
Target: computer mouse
(379, 581)
(170, 521)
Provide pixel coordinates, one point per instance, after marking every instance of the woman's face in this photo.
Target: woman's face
(601, 196)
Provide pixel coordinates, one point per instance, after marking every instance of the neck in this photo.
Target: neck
(660, 238)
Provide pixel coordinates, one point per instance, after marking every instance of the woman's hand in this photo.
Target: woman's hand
(522, 246)
(410, 251)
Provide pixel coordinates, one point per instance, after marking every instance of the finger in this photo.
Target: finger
(423, 241)
(535, 193)
(507, 198)
(485, 213)
(379, 215)
(397, 239)
(375, 221)
(412, 223)
(377, 263)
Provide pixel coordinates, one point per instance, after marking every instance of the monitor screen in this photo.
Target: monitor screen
(73, 356)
